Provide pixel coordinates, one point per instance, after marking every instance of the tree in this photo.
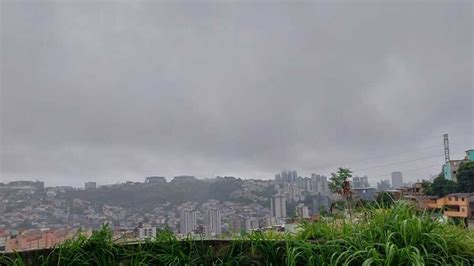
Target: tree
(440, 186)
(428, 188)
(340, 183)
(465, 177)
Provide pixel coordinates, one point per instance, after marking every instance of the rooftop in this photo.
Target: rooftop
(460, 195)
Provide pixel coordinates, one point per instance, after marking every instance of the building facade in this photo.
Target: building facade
(187, 222)
(213, 221)
(397, 180)
(144, 232)
(459, 205)
(278, 206)
(288, 176)
(319, 184)
(319, 202)
(450, 168)
(366, 193)
(360, 182)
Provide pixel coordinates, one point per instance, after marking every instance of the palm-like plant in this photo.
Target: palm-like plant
(340, 184)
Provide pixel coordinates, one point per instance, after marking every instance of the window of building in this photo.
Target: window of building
(455, 198)
(462, 209)
(462, 199)
(450, 198)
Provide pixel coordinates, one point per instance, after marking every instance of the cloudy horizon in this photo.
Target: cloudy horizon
(115, 91)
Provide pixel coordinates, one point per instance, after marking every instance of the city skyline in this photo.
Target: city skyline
(88, 184)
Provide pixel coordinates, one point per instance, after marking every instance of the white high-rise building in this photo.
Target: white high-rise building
(278, 206)
(289, 176)
(213, 221)
(360, 182)
(145, 232)
(187, 223)
(320, 184)
(291, 191)
(397, 180)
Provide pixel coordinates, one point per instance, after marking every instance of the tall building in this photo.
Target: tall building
(397, 180)
(320, 202)
(319, 184)
(293, 176)
(360, 182)
(90, 185)
(291, 191)
(288, 176)
(278, 206)
(187, 222)
(302, 211)
(213, 221)
(308, 185)
(278, 177)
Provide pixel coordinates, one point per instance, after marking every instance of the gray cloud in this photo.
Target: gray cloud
(115, 91)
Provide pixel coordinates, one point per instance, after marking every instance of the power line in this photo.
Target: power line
(398, 163)
(371, 158)
(388, 156)
(407, 170)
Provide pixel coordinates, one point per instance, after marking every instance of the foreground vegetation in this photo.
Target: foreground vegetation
(398, 235)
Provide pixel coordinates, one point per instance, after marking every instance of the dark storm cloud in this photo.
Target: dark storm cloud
(122, 90)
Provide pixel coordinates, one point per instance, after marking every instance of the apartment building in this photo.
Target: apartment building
(456, 205)
(37, 239)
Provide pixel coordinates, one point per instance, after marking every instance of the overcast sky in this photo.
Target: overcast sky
(116, 91)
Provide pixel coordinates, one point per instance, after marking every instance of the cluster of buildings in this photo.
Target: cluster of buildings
(212, 225)
(459, 206)
(294, 195)
(451, 167)
(11, 240)
(307, 196)
(33, 216)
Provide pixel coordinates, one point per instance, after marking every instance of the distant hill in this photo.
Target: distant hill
(147, 196)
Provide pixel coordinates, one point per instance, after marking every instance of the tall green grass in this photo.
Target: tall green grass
(398, 235)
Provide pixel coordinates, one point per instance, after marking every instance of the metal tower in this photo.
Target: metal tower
(446, 148)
